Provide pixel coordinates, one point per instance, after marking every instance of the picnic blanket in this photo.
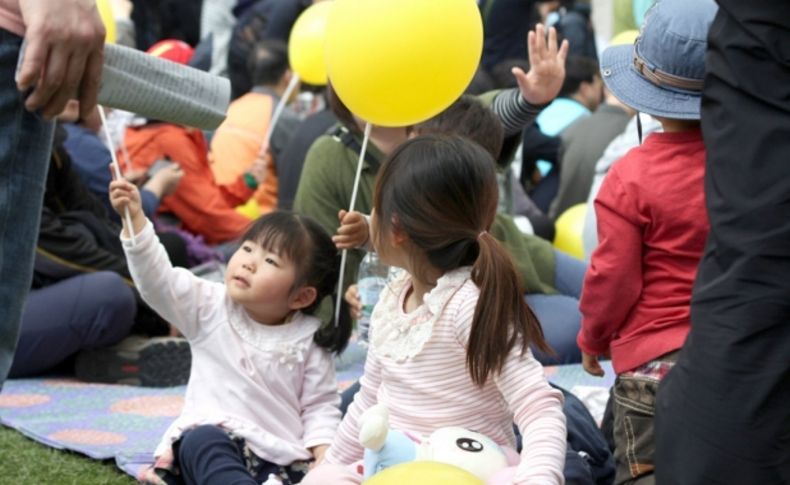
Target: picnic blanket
(125, 423)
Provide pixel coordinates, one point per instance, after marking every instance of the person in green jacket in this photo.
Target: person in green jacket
(552, 281)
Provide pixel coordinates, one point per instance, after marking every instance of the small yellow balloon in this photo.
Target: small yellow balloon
(108, 19)
(306, 44)
(251, 209)
(400, 62)
(423, 473)
(569, 226)
(625, 37)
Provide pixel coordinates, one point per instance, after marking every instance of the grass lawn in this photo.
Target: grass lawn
(26, 462)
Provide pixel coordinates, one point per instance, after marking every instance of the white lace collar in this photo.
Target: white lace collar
(401, 335)
(287, 343)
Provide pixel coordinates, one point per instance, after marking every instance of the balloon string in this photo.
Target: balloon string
(354, 192)
(278, 111)
(117, 170)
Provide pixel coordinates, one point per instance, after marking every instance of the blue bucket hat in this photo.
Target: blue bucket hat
(661, 74)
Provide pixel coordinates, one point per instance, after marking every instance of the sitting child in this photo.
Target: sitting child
(449, 338)
(262, 397)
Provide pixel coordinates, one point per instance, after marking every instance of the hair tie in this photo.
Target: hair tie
(482, 233)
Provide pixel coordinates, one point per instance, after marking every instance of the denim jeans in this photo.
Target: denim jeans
(25, 145)
(559, 314)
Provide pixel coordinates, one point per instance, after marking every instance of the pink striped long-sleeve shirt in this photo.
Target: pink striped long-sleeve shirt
(416, 367)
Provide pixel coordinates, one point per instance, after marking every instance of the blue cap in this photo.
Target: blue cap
(661, 74)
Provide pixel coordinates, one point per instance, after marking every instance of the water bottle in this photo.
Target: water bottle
(371, 281)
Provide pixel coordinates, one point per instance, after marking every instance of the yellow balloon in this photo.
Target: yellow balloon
(108, 19)
(306, 44)
(423, 473)
(251, 209)
(400, 62)
(570, 225)
(625, 37)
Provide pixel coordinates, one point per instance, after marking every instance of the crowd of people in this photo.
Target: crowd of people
(673, 140)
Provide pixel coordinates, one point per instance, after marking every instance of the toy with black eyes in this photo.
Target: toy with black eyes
(468, 450)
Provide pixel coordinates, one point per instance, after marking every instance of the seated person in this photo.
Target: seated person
(240, 139)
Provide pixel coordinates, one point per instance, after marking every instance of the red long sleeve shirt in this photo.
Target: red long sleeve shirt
(203, 206)
(652, 226)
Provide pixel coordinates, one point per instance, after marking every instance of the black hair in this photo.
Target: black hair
(441, 191)
(502, 73)
(578, 69)
(268, 62)
(309, 247)
(470, 118)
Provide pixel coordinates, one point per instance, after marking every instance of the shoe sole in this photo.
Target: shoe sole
(159, 364)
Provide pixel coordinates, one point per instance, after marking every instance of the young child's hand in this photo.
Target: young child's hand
(353, 231)
(123, 195)
(591, 365)
(547, 67)
(354, 303)
(318, 454)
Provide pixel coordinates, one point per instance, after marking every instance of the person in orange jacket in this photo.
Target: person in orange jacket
(202, 206)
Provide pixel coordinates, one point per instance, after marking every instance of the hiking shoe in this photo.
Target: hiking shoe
(137, 361)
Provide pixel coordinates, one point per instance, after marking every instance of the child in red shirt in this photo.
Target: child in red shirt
(652, 225)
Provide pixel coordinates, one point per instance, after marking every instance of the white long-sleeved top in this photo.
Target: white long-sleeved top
(271, 385)
(416, 367)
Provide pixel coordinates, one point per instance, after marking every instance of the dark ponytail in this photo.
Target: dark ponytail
(441, 191)
(502, 318)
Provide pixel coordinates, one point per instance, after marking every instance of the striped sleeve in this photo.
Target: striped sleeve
(537, 411)
(536, 408)
(514, 111)
(345, 448)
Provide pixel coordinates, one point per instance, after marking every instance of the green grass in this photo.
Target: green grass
(26, 462)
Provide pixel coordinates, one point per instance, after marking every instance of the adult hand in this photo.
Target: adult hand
(354, 303)
(64, 54)
(591, 365)
(546, 67)
(353, 231)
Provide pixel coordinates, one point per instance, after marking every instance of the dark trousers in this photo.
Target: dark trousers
(723, 412)
(83, 312)
(207, 455)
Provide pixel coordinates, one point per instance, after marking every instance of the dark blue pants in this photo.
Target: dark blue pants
(207, 455)
(83, 312)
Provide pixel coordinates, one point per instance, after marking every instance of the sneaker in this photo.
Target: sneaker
(137, 361)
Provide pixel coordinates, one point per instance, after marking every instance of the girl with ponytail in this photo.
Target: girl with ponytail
(450, 337)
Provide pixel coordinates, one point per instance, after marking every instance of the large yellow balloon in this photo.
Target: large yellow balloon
(400, 62)
(570, 225)
(306, 51)
(424, 473)
(108, 19)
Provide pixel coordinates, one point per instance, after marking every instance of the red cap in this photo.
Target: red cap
(172, 50)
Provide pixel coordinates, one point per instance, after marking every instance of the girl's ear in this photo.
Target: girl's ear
(399, 236)
(303, 297)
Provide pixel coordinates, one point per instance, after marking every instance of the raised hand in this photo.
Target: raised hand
(353, 231)
(546, 67)
(125, 194)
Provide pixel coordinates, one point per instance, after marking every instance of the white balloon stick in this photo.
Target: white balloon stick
(117, 170)
(354, 192)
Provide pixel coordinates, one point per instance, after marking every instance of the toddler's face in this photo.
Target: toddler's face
(261, 281)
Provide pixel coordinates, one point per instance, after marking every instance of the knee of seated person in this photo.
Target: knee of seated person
(115, 297)
(192, 440)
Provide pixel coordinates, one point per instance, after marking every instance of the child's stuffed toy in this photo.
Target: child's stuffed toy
(471, 451)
